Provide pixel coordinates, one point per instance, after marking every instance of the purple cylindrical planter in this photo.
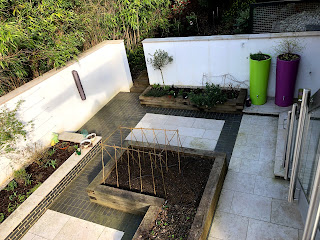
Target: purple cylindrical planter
(285, 81)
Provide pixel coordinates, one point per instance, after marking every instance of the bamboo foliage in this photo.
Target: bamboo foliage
(150, 153)
(37, 36)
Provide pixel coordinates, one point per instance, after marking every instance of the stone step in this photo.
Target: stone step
(71, 137)
(281, 145)
(138, 89)
(142, 79)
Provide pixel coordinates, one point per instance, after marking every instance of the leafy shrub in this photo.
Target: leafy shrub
(136, 60)
(1, 217)
(211, 96)
(179, 6)
(242, 22)
(156, 92)
(237, 16)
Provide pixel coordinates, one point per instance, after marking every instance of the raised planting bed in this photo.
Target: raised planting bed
(26, 181)
(42, 195)
(173, 204)
(178, 99)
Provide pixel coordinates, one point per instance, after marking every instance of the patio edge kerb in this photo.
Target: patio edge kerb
(21, 220)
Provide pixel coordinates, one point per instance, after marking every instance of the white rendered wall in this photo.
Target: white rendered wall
(52, 101)
(214, 56)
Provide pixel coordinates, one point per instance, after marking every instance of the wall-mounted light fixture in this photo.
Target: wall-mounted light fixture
(78, 84)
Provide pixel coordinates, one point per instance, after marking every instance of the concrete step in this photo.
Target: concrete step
(141, 83)
(142, 79)
(281, 145)
(138, 89)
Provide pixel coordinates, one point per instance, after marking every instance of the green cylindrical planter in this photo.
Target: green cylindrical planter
(259, 75)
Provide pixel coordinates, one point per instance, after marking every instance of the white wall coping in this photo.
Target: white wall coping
(52, 72)
(37, 196)
(233, 37)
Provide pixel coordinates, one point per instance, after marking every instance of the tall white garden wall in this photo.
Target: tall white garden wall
(52, 101)
(219, 59)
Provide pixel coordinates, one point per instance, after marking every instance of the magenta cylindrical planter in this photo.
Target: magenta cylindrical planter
(285, 81)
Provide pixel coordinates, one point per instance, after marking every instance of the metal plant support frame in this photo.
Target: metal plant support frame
(149, 152)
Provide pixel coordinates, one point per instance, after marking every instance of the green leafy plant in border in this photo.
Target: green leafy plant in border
(11, 129)
(11, 186)
(1, 217)
(209, 97)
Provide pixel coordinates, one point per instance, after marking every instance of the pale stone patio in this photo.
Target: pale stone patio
(58, 226)
(253, 203)
(197, 133)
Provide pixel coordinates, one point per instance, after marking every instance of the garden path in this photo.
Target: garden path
(253, 203)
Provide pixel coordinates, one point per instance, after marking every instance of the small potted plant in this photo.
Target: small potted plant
(91, 136)
(62, 145)
(287, 69)
(259, 75)
(85, 143)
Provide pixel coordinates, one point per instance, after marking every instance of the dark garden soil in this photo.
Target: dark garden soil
(175, 92)
(184, 190)
(10, 200)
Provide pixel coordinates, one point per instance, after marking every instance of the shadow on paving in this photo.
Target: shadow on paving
(125, 110)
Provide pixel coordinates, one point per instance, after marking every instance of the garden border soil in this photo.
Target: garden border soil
(231, 106)
(23, 218)
(138, 203)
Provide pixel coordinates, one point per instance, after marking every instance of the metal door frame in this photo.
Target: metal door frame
(291, 121)
(298, 143)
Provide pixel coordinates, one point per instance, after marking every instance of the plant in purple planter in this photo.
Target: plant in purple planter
(287, 70)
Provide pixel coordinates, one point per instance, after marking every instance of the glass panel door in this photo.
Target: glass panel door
(308, 160)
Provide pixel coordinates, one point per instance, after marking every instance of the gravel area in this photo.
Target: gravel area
(298, 22)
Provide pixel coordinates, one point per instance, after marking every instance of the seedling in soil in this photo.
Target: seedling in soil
(13, 196)
(1, 217)
(28, 180)
(11, 186)
(51, 163)
(51, 151)
(21, 198)
(12, 207)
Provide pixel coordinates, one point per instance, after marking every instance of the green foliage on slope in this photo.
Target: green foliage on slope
(36, 36)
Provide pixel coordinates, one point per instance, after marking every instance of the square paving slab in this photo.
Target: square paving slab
(196, 133)
(58, 226)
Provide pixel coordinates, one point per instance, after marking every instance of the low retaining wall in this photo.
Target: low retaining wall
(138, 203)
(23, 218)
(52, 101)
(224, 59)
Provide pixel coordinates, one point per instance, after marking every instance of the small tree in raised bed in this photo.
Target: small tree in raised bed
(159, 60)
